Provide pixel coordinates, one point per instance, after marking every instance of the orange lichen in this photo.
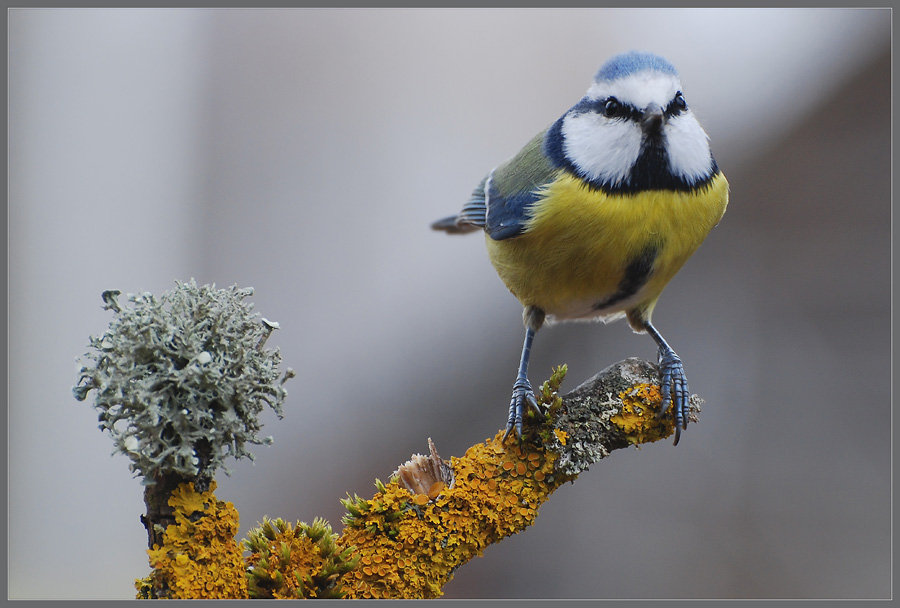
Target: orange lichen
(435, 490)
(561, 436)
(199, 557)
(418, 541)
(638, 419)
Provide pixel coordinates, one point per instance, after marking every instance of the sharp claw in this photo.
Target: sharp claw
(673, 389)
(522, 394)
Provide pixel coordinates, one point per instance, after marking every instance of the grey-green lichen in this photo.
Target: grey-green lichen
(180, 381)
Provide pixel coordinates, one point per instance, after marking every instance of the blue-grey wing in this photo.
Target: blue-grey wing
(500, 204)
(515, 186)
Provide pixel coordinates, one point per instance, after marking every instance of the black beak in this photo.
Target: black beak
(652, 120)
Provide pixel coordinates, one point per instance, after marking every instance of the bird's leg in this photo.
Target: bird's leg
(672, 382)
(522, 392)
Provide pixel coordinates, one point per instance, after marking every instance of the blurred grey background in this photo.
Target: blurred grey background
(305, 152)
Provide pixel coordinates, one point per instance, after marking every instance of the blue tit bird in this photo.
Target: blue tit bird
(596, 214)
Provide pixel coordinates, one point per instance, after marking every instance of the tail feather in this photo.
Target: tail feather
(451, 225)
(472, 217)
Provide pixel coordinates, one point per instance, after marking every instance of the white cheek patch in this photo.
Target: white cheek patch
(640, 89)
(688, 147)
(603, 150)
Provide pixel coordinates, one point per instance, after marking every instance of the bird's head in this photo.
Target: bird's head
(633, 130)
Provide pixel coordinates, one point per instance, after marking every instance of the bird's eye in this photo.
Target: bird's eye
(612, 108)
(679, 104)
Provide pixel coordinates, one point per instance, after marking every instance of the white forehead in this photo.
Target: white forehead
(639, 89)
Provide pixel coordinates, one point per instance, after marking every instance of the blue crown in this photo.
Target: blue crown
(632, 62)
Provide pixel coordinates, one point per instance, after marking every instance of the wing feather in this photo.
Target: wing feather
(500, 204)
(515, 186)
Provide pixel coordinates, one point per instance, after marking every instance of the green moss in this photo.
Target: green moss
(299, 561)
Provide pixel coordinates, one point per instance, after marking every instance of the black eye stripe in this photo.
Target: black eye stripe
(614, 109)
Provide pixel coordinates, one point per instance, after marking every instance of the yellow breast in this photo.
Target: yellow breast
(578, 244)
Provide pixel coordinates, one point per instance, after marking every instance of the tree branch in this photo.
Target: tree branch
(434, 515)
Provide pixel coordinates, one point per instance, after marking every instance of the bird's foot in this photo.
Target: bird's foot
(674, 389)
(522, 394)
